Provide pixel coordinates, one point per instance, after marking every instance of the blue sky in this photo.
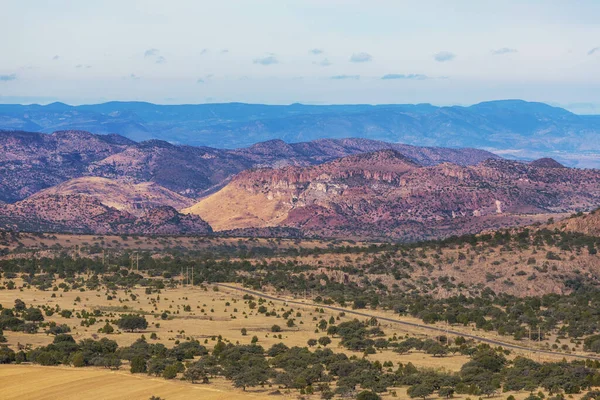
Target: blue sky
(310, 51)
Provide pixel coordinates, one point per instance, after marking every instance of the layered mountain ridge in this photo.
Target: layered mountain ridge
(512, 127)
(75, 181)
(30, 162)
(384, 194)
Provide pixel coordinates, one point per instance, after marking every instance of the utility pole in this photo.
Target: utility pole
(530, 345)
(137, 261)
(182, 283)
(540, 342)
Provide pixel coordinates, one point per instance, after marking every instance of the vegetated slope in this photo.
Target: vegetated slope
(588, 224)
(84, 214)
(30, 162)
(522, 128)
(123, 195)
(386, 194)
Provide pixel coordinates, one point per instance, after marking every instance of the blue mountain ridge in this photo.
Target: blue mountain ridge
(512, 128)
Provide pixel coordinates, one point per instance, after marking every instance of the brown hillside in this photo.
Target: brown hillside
(85, 214)
(123, 195)
(588, 224)
(385, 194)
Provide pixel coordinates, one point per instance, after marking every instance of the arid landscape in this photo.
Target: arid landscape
(299, 200)
(336, 269)
(283, 293)
(109, 184)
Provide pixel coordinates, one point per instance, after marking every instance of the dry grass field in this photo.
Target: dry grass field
(212, 313)
(205, 313)
(33, 243)
(29, 382)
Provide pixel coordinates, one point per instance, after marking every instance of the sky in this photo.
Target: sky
(301, 51)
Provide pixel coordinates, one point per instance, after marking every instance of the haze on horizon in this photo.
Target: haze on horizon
(308, 51)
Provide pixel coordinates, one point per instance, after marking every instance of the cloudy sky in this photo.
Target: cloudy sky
(310, 51)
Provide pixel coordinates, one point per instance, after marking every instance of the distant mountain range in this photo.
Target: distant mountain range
(513, 128)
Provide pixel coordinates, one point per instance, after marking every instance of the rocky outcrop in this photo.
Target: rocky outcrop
(384, 194)
(121, 194)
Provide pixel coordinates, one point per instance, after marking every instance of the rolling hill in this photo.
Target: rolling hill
(79, 213)
(135, 199)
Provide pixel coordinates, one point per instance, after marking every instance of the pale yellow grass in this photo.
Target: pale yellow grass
(217, 319)
(38, 245)
(232, 208)
(24, 382)
(35, 382)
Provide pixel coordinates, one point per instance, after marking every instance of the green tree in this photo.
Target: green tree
(107, 329)
(33, 314)
(138, 365)
(196, 372)
(421, 390)
(367, 395)
(170, 371)
(132, 322)
(78, 360)
(446, 392)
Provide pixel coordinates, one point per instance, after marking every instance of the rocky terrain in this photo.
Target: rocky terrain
(386, 194)
(587, 224)
(30, 162)
(75, 181)
(121, 194)
(84, 214)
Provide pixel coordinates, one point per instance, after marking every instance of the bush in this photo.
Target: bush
(367, 395)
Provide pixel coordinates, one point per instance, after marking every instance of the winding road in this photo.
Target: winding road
(411, 324)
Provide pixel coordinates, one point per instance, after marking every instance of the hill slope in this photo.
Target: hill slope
(385, 194)
(135, 199)
(85, 214)
(587, 224)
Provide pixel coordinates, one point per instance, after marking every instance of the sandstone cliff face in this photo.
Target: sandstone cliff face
(385, 194)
